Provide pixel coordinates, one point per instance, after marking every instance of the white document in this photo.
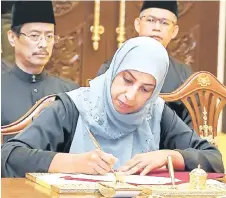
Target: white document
(133, 179)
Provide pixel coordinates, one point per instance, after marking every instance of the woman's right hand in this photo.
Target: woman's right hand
(95, 162)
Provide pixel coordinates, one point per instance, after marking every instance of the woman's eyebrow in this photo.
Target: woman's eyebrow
(146, 84)
(151, 85)
(128, 72)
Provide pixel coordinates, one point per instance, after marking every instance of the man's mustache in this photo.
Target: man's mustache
(43, 52)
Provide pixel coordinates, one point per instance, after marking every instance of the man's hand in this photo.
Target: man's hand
(147, 162)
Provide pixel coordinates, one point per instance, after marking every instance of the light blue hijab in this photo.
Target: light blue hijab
(122, 135)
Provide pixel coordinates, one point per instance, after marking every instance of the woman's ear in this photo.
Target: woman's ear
(11, 37)
(175, 31)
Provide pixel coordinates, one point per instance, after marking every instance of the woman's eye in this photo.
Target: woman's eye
(144, 90)
(127, 80)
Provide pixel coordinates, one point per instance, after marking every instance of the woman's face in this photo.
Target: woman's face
(130, 90)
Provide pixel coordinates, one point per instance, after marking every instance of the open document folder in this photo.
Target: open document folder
(59, 178)
(81, 183)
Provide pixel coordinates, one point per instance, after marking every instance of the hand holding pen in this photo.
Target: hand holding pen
(105, 161)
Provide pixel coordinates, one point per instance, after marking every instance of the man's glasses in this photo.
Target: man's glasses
(151, 20)
(34, 37)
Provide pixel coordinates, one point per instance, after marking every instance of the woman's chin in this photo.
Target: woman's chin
(123, 110)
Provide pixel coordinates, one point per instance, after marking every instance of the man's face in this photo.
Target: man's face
(34, 45)
(157, 23)
(130, 90)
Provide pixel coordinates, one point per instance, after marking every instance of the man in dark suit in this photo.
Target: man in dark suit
(33, 36)
(158, 19)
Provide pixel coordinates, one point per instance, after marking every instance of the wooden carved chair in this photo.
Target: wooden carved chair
(204, 96)
(17, 126)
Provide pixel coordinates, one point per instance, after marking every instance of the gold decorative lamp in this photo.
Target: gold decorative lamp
(120, 30)
(96, 29)
(198, 179)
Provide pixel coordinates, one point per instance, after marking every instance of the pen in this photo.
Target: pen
(97, 145)
(171, 171)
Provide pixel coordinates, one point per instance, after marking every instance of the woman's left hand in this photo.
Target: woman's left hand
(146, 161)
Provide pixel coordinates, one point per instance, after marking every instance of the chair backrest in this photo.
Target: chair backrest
(17, 126)
(204, 97)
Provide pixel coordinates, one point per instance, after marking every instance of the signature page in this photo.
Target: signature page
(133, 179)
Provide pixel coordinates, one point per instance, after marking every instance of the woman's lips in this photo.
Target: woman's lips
(123, 105)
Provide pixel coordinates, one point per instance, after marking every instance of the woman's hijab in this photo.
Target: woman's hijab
(122, 135)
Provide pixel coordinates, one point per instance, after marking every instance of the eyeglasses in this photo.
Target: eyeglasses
(34, 37)
(151, 20)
